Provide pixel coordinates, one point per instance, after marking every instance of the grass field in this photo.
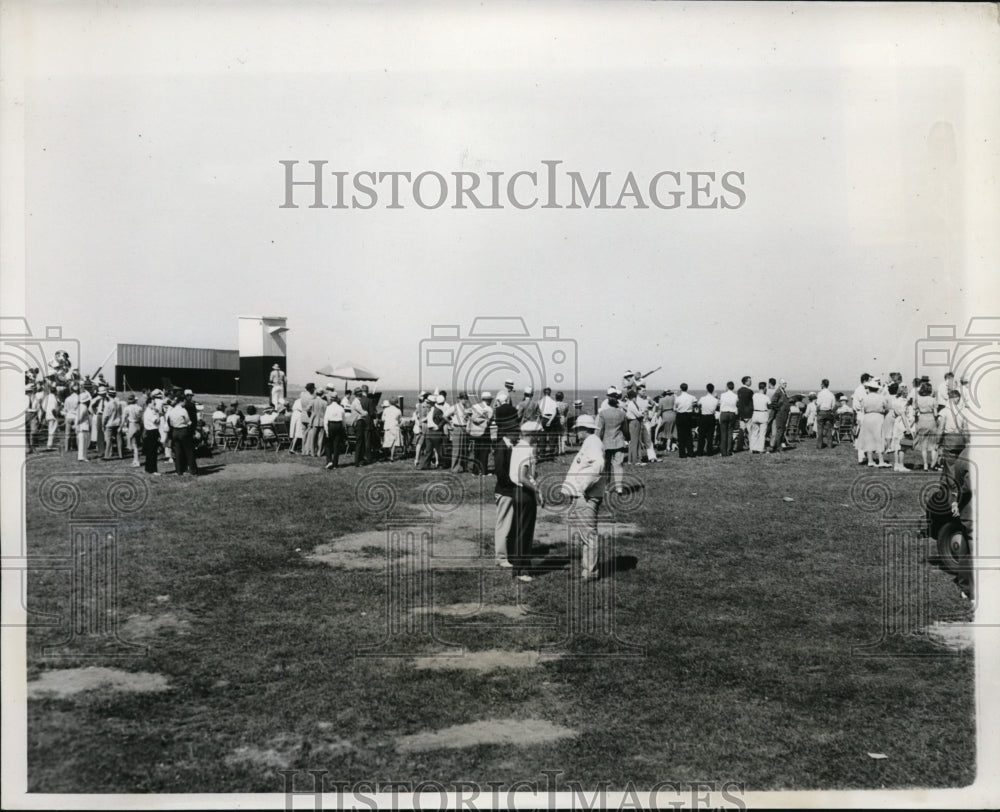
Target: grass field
(745, 593)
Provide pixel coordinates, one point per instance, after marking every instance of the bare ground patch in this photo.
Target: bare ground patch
(455, 539)
(281, 750)
(474, 610)
(65, 682)
(483, 661)
(522, 732)
(260, 470)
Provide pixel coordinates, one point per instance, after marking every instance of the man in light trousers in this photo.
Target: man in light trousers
(584, 484)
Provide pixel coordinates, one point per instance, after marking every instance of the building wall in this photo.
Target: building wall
(202, 381)
(255, 372)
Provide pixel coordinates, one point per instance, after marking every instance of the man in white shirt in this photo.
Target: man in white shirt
(70, 407)
(336, 434)
(826, 416)
(112, 425)
(550, 425)
(758, 420)
(728, 418)
(584, 484)
(646, 410)
(480, 417)
(954, 428)
(684, 409)
(707, 422)
(51, 408)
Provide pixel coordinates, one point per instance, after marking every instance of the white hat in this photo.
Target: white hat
(528, 390)
(585, 421)
(276, 367)
(613, 390)
(628, 373)
(439, 399)
(530, 427)
(385, 403)
(501, 396)
(156, 393)
(188, 392)
(486, 396)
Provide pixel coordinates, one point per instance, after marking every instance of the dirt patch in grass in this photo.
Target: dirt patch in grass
(143, 627)
(955, 636)
(66, 682)
(281, 750)
(260, 470)
(482, 661)
(454, 539)
(473, 610)
(522, 732)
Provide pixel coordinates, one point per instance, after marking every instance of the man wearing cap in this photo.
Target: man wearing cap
(584, 484)
(112, 425)
(612, 430)
(277, 382)
(508, 386)
(684, 408)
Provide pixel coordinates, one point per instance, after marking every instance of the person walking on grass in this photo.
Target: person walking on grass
(584, 484)
(527, 499)
(612, 430)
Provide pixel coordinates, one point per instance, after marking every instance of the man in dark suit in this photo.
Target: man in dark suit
(781, 405)
(744, 411)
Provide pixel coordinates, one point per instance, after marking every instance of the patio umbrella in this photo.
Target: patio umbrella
(348, 372)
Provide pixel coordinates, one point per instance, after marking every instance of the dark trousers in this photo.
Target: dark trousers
(778, 430)
(727, 422)
(523, 530)
(183, 443)
(706, 435)
(361, 449)
(433, 443)
(685, 444)
(150, 448)
(481, 446)
(336, 440)
(824, 428)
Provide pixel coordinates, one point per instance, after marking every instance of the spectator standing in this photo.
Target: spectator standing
(152, 416)
(527, 499)
(758, 421)
(684, 407)
(277, 383)
(925, 431)
(336, 433)
(584, 484)
(781, 406)
(744, 410)
(668, 420)
(83, 419)
(729, 405)
(503, 490)
(112, 425)
(612, 428)
(480, 417)
(826, 416)
(709, 405)
(460, 433)
(182, 438)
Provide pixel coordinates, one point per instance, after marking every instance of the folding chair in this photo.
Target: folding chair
(253, 438)
(282, 439)
(844, 427)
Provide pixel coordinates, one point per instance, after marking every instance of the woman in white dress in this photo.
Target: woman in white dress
(296, 429)
(392, 438)
(870, 440)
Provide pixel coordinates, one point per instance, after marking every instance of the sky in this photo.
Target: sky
(153, 188)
